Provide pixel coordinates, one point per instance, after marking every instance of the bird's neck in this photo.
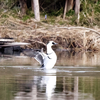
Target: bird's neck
(49, 49)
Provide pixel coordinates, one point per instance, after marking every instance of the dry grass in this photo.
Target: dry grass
(38, 34)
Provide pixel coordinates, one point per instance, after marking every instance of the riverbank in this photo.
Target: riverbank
(39, 33)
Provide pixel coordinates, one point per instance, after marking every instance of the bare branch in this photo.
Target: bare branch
(39, 42)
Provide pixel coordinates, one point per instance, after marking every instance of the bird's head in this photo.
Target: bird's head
(51, 43)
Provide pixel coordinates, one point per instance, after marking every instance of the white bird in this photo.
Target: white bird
(47, 60)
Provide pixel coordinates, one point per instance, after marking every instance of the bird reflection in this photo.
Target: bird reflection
(48, 83)
(40, 86)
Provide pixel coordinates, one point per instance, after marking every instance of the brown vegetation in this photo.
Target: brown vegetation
(38, 34)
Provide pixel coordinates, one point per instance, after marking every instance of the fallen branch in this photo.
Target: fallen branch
(84, 28)
(6, 40)
(14, 44)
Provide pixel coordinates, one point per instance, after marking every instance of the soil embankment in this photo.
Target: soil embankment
(37, 34)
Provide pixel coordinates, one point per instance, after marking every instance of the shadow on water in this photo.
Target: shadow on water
(76, 76)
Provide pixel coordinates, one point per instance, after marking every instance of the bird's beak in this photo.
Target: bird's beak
(55, 43)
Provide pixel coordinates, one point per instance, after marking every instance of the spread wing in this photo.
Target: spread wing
(39, 58)
(37, 54)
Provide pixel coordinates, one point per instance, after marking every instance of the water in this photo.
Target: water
(76, 76)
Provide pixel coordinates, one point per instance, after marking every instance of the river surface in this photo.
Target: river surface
(76, 76)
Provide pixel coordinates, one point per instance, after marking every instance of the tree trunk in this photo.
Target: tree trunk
(77, 9)
(65, 9)
(70, 5)
(36, 9)
(23, 7)
(32, 5)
